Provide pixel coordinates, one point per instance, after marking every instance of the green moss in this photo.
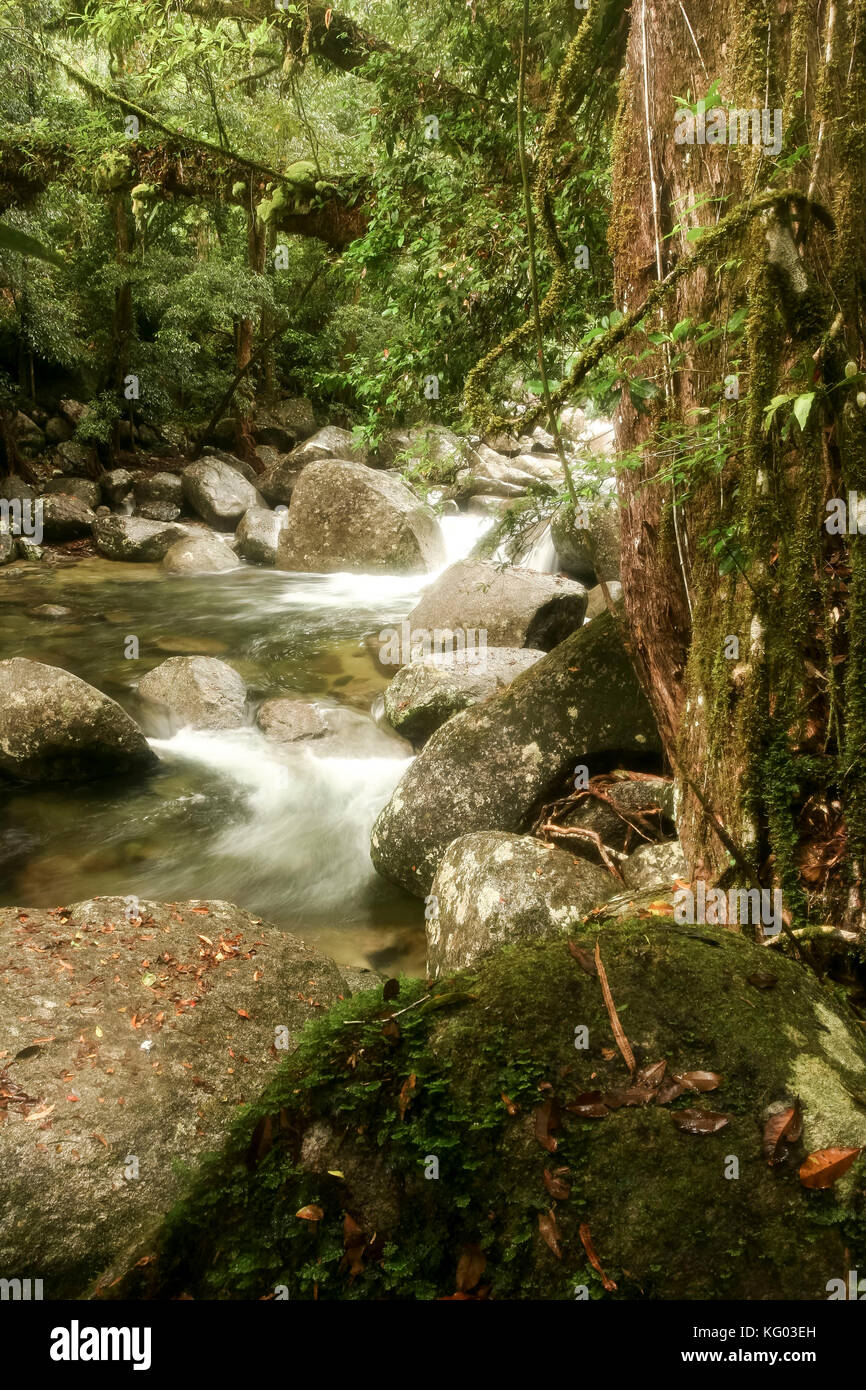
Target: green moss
(665, 1220)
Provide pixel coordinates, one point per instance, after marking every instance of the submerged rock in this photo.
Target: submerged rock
(492, 888)
(55, 727)
(199, 555)
(488, 767)
(427, 692)
(345, 516)
(134, 539)
(338, 732)
(419, 1132)
(130, 1069)
(198, 692)
(512, 607)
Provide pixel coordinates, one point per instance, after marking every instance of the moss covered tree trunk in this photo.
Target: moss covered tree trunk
(747, 613)
(244, 397)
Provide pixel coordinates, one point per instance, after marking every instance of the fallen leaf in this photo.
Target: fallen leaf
(824, 1166)
(699, 1080)
(470, 1267)
(669, 1090)
(651, 1077)
(627, 1095)
(311, 1212)
(589, 1105)
(761, 979)
(354, 1243)
(699, 1121)
(785, 1125)
(550, 1232)
(546, 1117)
(405, 1096)
(242, 1013)
(556, 1187)
(583, 958)
(586, 1240)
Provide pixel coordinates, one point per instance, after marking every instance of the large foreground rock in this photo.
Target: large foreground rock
(427, 692)
(196, 692)
(345, 516)
(514, 607)
(217, 492)
(487, 1069)
(134, 539)
(55, 727)
(136, 1029)
(492, 888)
(488, 767)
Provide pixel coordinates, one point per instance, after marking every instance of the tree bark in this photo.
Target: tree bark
(723, 526)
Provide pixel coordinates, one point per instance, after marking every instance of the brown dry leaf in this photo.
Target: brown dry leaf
(546, 1118)
(589, 1105)
(699, 1080)
(622, 1041)
(699, 1121)
(405, 1097)
(762, 979)
(354, 1243)
(556, 1187)
(627, 1095)
(669, 1090)
(470, 1267)
(242, 1013)
(550, 1232)
(310, 1213)
(586, 1239)
(583, 958)
(824, 1166)
(510, 1105)
(651, 1077)
(786, 1125)
(391, 1031)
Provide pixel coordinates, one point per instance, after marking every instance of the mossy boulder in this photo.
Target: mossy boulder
(348, 1132)
(490, 766)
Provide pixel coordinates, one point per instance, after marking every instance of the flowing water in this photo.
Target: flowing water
(282, 830)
